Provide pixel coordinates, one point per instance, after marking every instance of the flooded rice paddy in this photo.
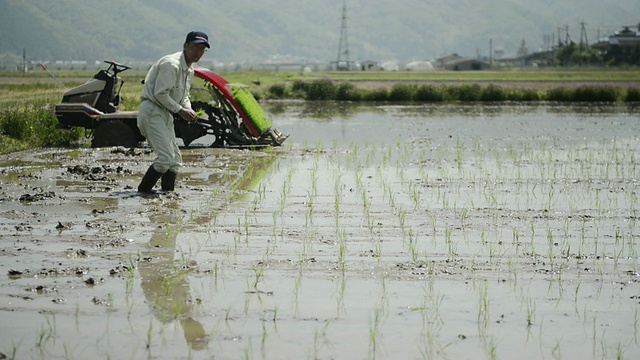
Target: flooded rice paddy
(402, 232)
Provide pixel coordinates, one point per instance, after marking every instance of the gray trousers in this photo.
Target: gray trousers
(156, 124)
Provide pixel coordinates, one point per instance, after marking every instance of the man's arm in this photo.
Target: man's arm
(186, 101)
(165, 82)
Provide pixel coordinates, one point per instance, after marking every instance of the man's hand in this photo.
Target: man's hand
(187, 114)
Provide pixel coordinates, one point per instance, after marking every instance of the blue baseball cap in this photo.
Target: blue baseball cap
(198, 37)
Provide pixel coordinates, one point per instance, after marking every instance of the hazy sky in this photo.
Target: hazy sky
(246, 30)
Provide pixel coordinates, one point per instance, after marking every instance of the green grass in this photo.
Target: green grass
(31, 125)
(268, 78)
(513, 75)
(327, 89)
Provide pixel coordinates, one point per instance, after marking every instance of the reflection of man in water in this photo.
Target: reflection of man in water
(166, 287)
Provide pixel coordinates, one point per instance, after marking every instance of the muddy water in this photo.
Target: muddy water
(375, 232)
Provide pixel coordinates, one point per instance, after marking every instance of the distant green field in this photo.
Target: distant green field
(271, 77)
(42, 87)
(520, 75)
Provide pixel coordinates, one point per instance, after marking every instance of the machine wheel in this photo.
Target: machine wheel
(114, 133)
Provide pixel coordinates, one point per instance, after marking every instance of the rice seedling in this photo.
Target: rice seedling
(341, 293)
(320, 338)
(491, 348)
(374, 333)
(43, 336)
(310, 207)
(556, 351)
(297, 286)
(342, 250)
(451, 245)
(13, 352)
(413, 246)
(263, 340)
(168, 284)
(149, 338)
(337, 197)
(531, 311)
(247, 227)
(459, 154)
(259, 273)
(274, 225)
(131, 272)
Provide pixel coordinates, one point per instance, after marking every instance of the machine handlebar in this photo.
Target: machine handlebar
(116, 67)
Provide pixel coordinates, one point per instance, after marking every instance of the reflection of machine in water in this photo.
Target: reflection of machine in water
(165, 278)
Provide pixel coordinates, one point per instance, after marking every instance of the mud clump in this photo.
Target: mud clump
(130, 151)
(120, 269)
(97, 173)
(38, 196)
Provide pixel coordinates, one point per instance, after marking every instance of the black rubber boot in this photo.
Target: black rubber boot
(149, 180)
(168, 181)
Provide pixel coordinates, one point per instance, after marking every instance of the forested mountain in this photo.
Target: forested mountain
(254, 31)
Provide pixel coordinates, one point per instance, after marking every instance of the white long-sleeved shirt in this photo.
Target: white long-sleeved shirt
(167, 83)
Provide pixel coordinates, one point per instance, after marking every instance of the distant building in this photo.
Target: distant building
(441, 62)
(369, 65)
(534, 59)
(420, 65)
(457, 63)
(390, 66)
(621, 47)
(523, 50)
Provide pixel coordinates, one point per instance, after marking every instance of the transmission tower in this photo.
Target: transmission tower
(343, 62)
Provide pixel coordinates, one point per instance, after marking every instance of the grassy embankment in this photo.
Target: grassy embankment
(447, 86)
(26, 101)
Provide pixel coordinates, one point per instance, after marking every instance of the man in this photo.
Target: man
(166, 93)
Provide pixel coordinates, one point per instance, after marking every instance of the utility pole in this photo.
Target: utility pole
(491, 53)
(554, 47)
(583, 36)
(23, 68)
(559, 39)
(343, 62)
(548, 46)
(567, 39)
